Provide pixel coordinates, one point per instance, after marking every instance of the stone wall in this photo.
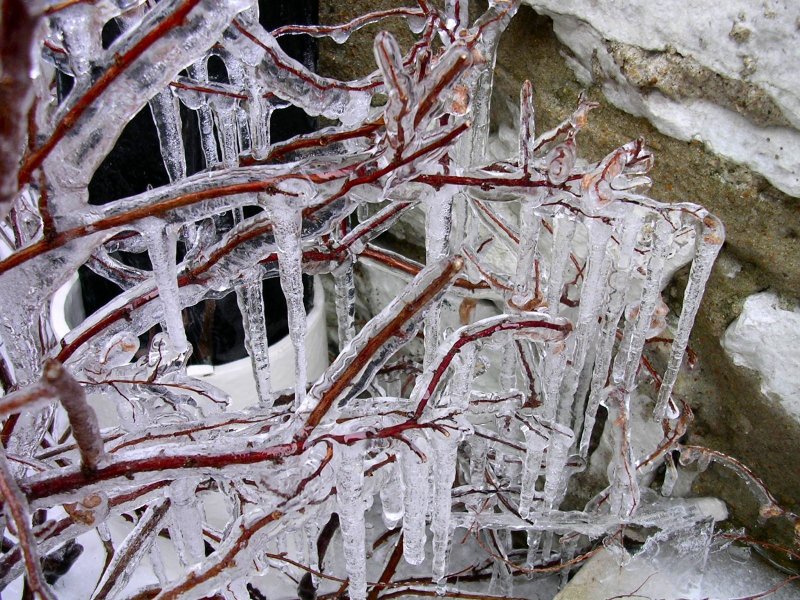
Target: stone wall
(716, 93)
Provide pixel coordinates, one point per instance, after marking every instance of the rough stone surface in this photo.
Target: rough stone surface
(738, 60)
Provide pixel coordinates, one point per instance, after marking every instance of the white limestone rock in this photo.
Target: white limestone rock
(766, 338)
(740, 40)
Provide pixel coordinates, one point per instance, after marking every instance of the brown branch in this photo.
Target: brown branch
(114, 70)
(223, 562)
(16, 507)
(82, 418)
(27, 397)
(17, 30)
(389, 570)
(148, 525)
(368, 348)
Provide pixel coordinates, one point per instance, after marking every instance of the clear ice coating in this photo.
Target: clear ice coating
(451, 417)
(349, 497)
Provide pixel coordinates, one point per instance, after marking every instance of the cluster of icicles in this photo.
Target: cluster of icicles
(481, 434)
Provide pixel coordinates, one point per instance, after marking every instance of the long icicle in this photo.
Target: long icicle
(709, 242)
(287, 223)
(250, 297)
(162, 247)
(349, 490)
(345, 301)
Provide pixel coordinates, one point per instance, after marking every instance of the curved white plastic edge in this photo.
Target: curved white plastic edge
(235, 378)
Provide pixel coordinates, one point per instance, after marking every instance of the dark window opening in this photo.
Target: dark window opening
(134, 165)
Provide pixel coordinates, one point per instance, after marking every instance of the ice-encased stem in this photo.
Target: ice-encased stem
(415, 470)
(130, 552)
(345, 300)
(250, 298)
(349, 490)
(162, 247)
(444, 472)
(624, 495)
(187, 521)
(287, 221)
(708, 244)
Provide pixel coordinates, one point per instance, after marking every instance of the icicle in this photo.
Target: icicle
(471, 147)
(208, 142)
(438, 223)
(80, 27)
(547, 546)
(618, 282)
(345, 302)
(477, 467)
(508, 366)
(568, 544)
(556, 473)
(535, 444)
(534, 538)
(243, 139)
(527, 127)
(624, 494)
(459, 390)
(708, 243)
(260, 115)
(250, 298)
(391, 494)
(164, 108)
(161, 245)
(638, 318)
(349, 490)
(187, 521)
(670, 476)
(157, 562)
(226, 127)
(593, 293)
(525, 287)
(287, 219)
(555, 363)
(312, 527)
(564, 230)
(415, 469)
(444, 472)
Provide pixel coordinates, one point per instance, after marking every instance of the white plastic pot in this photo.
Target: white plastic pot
(236, 378)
